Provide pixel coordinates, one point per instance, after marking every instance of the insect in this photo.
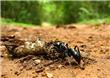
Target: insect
(60, 49)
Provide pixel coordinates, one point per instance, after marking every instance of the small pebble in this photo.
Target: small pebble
(49, 75)
(60, 66)
(37, 61)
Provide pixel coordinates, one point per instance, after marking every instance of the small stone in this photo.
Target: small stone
(43, 74)
(4, 52)
(59, 66)
(49, 75)
(37, 61)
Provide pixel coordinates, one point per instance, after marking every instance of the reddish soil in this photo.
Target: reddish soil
(94, 40)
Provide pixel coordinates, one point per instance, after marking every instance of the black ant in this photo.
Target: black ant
(62, 50)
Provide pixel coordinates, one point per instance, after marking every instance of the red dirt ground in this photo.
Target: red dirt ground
(94, 40)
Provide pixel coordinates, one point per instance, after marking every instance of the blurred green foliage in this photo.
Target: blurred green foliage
(54, 12)
(21, 11)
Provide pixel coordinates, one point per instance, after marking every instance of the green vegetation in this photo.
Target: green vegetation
(56, 12)
(96, 21)
(11, 22)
